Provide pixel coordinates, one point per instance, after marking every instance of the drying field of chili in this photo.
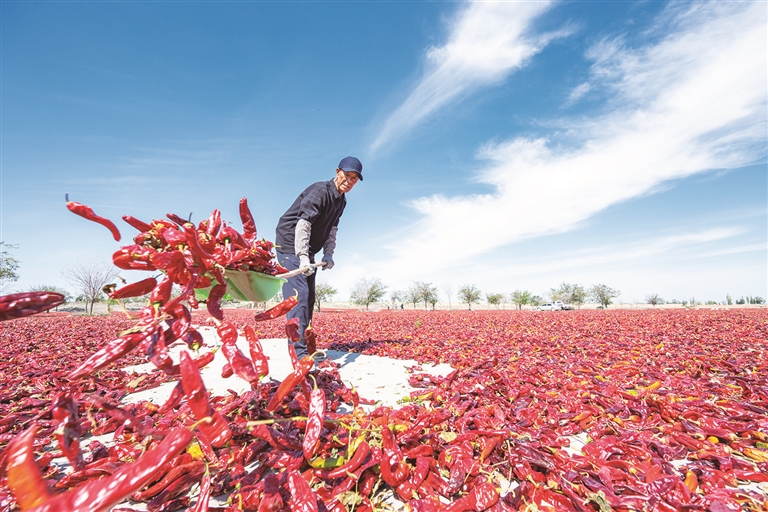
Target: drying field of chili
(672, 406)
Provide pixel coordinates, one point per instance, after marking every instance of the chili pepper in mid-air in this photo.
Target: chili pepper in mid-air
(292, 329)
(136, 223)
(112, 351)
(136, 289)
(299, 373)
(279, 310)
(214, 223)
(64, 412)
(240, 364)
(134, 257)
(23, 473)
(259, 359)
(217, 429)
(214, 301)
(311, 338)
(194, 242)
(18, 305)
(103, 494)
(314, 423)
(176, 218)
(87, 213)
(162, 292)
(249, 226)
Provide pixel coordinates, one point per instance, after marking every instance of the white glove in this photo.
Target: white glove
(304, 263)
(328, 260)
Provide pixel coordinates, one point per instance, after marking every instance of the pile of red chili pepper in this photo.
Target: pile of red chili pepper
(672, 423)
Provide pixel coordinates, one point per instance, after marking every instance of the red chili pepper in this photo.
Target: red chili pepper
(213, 305)
(64, 412)
(136, 289)
(204, 496)
(197, 397)
(18, 305)
(112, 351)
(176, 218)
(136, 223)
(134, 257)
(249, 226)
(394, 468)
(481, 497)
(354, 462)
(214, 223)
(303, 498)
(194, 242)
(292, 329)
(175, 472)
(162, 292)
(87, 213)
(260, 361)
(23, 473)
(314, 423)
(240, 364)
(103, 494)
(279, 310)
(299, 373)
(311, 338)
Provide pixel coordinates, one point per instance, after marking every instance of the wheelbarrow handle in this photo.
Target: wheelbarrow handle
(299, 271)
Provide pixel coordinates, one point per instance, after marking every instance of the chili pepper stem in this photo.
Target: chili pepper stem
(207, 419)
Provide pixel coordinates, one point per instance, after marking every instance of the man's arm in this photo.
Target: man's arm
(328, 248)
(301, 244)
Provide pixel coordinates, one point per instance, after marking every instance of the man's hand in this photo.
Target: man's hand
(304, 263)
(328, 260)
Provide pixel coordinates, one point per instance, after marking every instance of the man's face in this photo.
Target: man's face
(345, 180)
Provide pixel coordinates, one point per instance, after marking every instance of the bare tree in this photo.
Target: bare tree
(89, 279)
(448, 289)
(654, 300)
(396, 296)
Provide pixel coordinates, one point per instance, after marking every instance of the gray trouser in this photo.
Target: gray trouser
(305, 286)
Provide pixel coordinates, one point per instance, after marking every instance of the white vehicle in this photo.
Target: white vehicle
(554, 306)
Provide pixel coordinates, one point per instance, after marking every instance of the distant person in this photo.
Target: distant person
(308, 226)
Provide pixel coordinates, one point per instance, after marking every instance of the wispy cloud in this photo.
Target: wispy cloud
(487, 41)
(692, 101)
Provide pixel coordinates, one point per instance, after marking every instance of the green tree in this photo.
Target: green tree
(368, 291)
(654, 300)
(469, 294)
(8, 264)
(494, 299)
(426, 293)
(570, 294)
(728, 299)
(521, 298)
(603, 294)
(323, 292)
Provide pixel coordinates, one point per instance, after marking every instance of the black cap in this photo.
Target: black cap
(352, 164)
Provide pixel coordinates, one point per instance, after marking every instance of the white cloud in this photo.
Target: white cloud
(693, 101)
(487, 41)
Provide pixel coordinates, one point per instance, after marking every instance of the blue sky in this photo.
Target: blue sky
(510, 145)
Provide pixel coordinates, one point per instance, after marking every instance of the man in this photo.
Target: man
(310, 224)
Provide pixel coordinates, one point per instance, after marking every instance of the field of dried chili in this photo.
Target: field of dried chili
(674, 404)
